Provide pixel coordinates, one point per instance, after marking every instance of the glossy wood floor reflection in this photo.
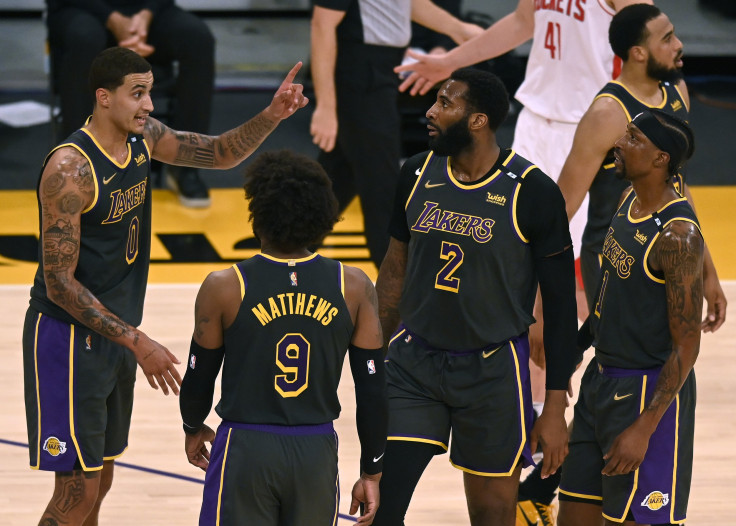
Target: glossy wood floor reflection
(171, 494)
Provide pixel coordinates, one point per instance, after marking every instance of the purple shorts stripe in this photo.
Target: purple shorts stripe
(520, 348)
(654, 498)
(54, 351)
(316, 429)
(618, 372)
(214, 478)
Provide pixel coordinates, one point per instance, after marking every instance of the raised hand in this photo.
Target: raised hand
(288, 97)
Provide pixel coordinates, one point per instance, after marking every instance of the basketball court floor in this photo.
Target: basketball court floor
(154, 484)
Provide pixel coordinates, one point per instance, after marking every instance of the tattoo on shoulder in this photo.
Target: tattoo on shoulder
(70, 167)
(679, 253)
(154, 130)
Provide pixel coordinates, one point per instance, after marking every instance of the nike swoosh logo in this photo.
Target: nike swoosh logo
(617, 397)
(621, 215)
(486, 354)
(429, 185)
(376, 459)
(419, 171)
(106, 180)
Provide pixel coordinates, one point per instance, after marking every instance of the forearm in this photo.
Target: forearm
(557, 285)
(198, 386)
(323, 60)
(671, 377)
(232, 147)
(430, 15)
(371, 413)
(80, 303)
(503, 36)
(389, 285)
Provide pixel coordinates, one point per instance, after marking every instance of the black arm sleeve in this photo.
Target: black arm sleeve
(541, 214)
(557, 284)
(585, 339)
(198, 386)
(398, 228)
(371, 413)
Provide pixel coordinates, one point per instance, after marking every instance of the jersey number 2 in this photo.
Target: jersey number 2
(454, 256)
(292, 357)
(553, 40)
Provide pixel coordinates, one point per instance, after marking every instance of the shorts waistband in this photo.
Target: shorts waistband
(315, 429)
(620, 372)
(454, 352)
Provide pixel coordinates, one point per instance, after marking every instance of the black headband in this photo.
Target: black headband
(661, 136)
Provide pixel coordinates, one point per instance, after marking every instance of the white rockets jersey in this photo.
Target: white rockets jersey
(570, 59)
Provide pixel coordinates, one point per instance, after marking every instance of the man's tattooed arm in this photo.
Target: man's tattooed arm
(66, 189)
(389, 285)
(679, 255)
(197, 150)
(227, 150)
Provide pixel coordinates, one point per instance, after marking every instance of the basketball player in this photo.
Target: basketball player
(631, 447)
(475, 227)
(282, 321)
(651, 77)
(80, 341)
(569, 61)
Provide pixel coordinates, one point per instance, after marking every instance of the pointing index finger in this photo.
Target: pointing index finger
(290, 77)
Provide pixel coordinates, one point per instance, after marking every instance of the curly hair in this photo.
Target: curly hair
(109, 68)
(291, 200)
(486, 93)
(629, 28)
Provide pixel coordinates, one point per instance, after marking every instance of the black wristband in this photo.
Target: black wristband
(198, 385)
(371, 414)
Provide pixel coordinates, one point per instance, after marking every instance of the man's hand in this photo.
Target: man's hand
(365, 491)
(716, 300)
(288, 98)
(550, 431)
(195, 448)
(628, 450)
(157, 363)
(323, 128)
(423, 74)
(138, 28)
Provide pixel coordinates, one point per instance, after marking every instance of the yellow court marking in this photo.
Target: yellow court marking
(222, 232)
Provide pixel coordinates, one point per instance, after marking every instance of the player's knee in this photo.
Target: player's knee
(492, 511)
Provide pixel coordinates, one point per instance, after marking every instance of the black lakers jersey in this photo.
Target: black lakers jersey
(285, 350)
(607, 188)
(629, 319)
(115, 245)
(468, 259)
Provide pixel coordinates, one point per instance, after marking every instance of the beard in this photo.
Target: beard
(453, 140)
(661, 72)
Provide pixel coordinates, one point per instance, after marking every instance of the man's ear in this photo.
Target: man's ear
(477, 121)
(102, 97)
(662, 159)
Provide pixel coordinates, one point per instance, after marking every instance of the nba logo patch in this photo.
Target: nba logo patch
(88, 343)
(408, 338)
(292, 279)
(371, 367)
(192, 361)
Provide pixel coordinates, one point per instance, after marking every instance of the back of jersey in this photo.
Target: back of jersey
(285, 350)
